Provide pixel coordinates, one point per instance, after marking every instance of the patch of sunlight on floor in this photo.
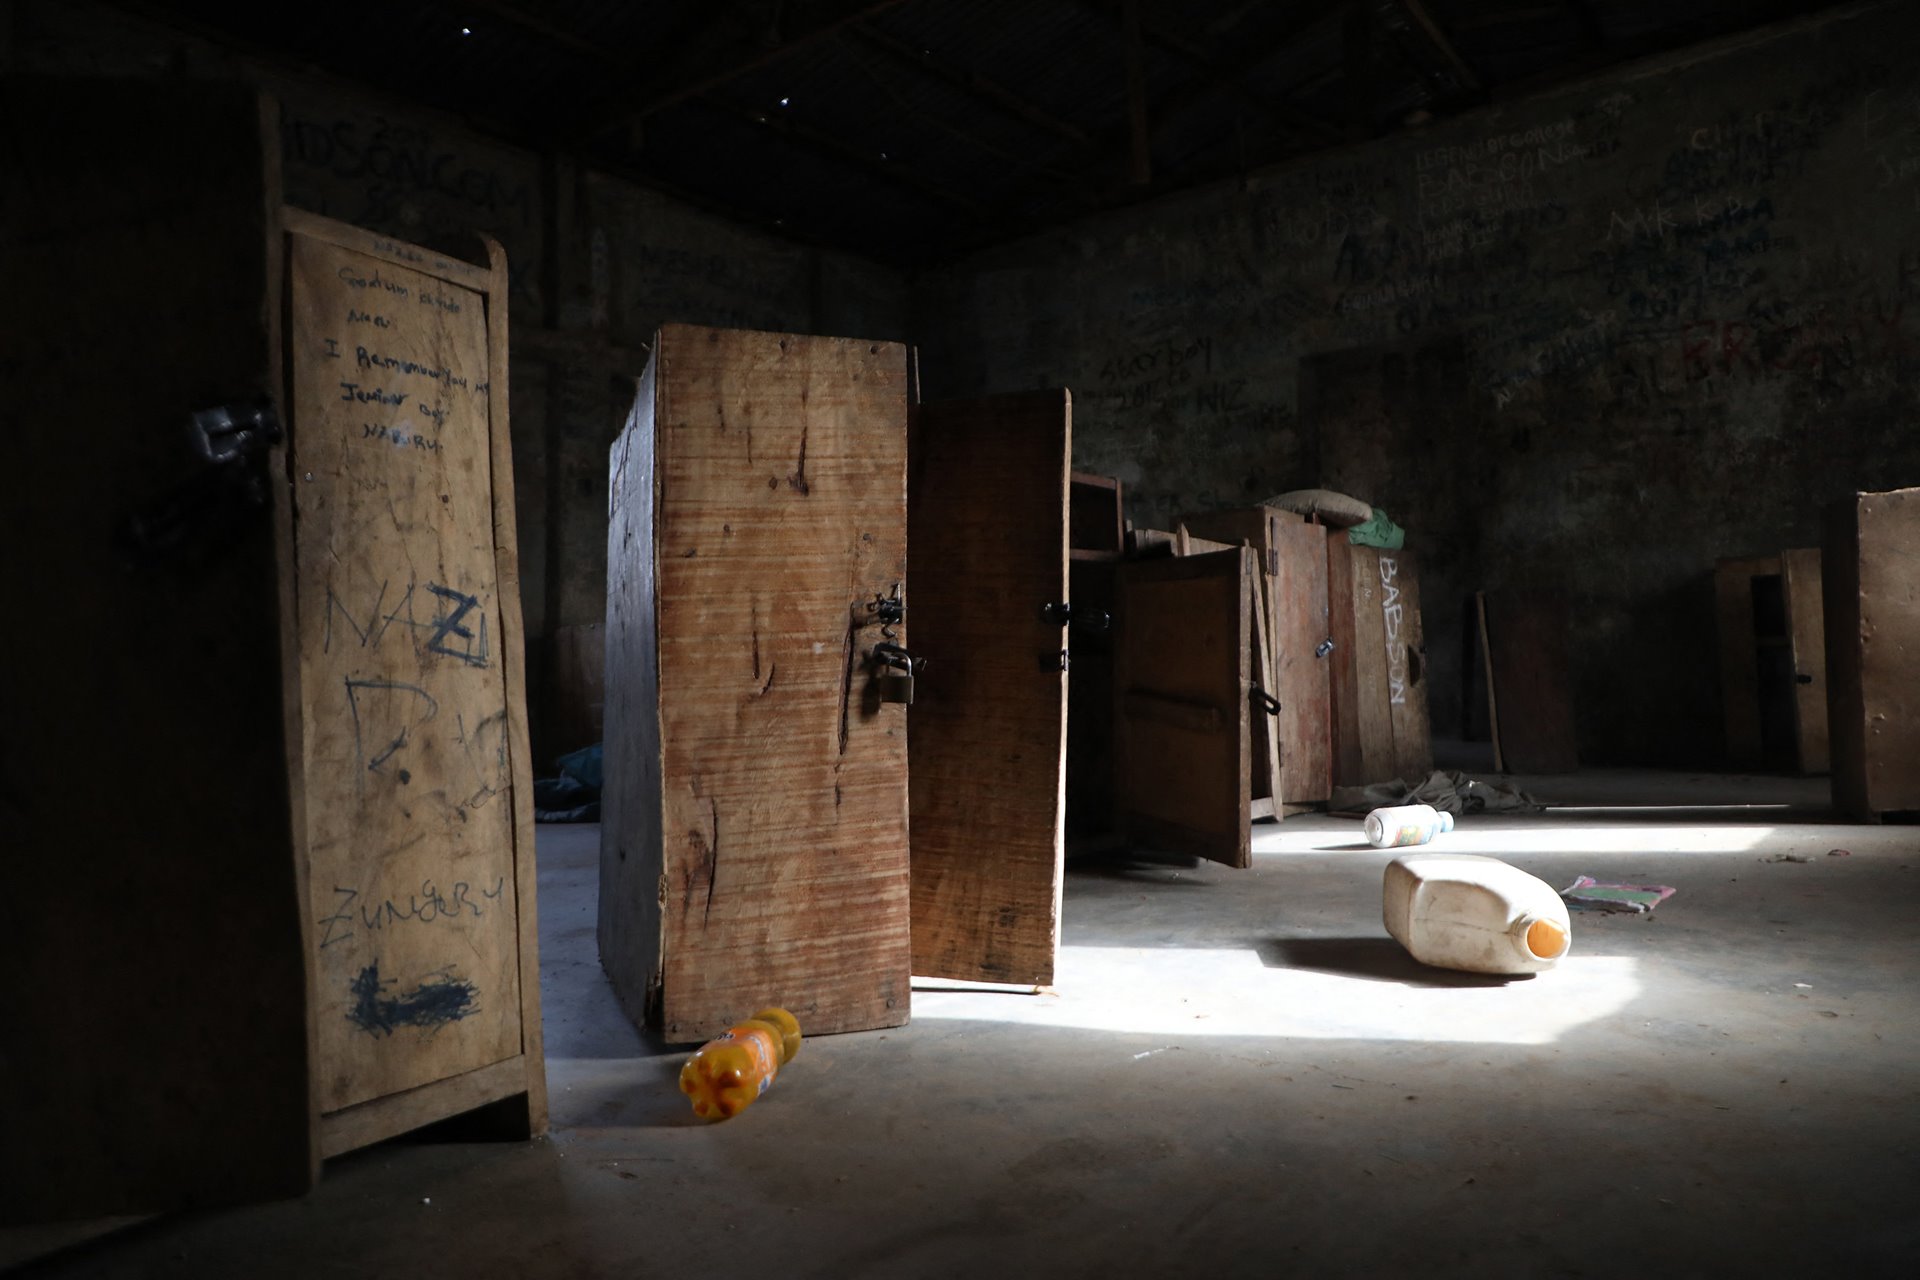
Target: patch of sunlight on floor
(1498, 836)
(1307, 988)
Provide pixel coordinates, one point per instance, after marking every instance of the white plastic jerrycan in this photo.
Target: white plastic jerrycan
(1405, 824)
(1464, 911)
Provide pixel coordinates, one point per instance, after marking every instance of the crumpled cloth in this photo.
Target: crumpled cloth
(1453, 792)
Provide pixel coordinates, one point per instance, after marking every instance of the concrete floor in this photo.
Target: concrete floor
(1237, 1073)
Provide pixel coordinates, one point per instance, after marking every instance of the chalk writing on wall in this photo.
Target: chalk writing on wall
(1393, 613)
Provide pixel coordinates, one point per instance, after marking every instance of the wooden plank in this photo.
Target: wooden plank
(1806, 629)
(1372, 694)
(1739, 670)
(1182, 674)
(1343, 687)
(632, 853)
(1090, 697)
(155, 1003)
(1486, 662)
(987, 552)
(410, 736)
(1527, 634)
(1301, 624)
(513, 654)
(1263, 723)
(1405, 649)
(397, 1113)
(781, 482)
(1889, 639)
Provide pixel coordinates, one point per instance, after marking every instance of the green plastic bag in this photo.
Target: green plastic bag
(1378, 531)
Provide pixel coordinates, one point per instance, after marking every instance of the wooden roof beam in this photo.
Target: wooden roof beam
(980, 87)
(796, 131)
(667, 80)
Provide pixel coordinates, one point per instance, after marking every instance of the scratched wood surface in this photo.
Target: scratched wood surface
(1300, 627)
(1871, 562)
(1806, 631)
(1404, 657)
(1739, 666)
(781, 483)
(988, 721)
(410, 821)
(1183, 678)
(153, 1012)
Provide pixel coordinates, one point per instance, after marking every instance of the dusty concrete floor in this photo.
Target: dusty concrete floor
(1239, 1074)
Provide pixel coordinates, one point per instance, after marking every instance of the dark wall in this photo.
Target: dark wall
(596, 264)
(1594, 340)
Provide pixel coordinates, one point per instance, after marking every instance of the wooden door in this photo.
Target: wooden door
(1871, 561)
(1806, 639)
(1301, 628)
(754, 834)
(409, 735)
(1739, 665)
(1524, 636)
(986, 557)
(1183, 684)
(154, 998)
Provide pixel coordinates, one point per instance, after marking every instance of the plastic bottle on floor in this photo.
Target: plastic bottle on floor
(730, 1072)
(1464, 911)
(1406, 824)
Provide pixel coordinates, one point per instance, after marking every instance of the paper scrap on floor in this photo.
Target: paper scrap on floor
(1588, 894)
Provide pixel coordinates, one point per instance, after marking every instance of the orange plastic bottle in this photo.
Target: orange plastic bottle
(730, 1072)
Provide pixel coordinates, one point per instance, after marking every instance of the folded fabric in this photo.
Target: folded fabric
(1449, 792)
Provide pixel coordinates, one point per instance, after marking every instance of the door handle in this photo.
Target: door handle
(1062, 615)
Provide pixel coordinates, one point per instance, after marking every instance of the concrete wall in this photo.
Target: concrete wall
(1594, 339)
(597, 263)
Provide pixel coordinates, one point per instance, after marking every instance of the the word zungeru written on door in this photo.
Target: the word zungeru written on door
(407, 799)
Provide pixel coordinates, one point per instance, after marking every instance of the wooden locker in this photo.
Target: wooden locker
(277, 829)
(1871, 567)
(1293, 558)
(1380, 727)
(754, 819)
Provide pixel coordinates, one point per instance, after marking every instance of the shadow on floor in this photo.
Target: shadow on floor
(1375, 959)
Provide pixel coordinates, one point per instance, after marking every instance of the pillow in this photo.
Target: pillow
(1334, 509)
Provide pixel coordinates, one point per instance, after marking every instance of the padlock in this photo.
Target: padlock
(896, 686)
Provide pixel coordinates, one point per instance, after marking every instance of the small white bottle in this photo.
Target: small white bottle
(1406, 824)
(1464, 911)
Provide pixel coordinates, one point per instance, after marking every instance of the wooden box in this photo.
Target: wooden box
(1379, 692)
(754, 818)
(1872, 597)
(276, 822)
(1773, 670)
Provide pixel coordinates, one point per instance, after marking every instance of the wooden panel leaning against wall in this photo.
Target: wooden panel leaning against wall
(184, 1003)
(754, 829)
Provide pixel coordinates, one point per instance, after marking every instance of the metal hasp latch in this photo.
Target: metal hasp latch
(1062, 614)
(1065, 615)
(231, 442)
(1324, 648)
(895, 666)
